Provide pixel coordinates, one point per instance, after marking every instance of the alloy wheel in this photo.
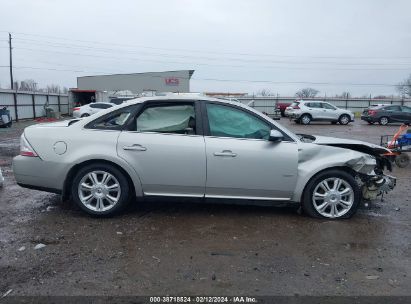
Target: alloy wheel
(383, 121)
(305, 119)
(344, 120)
(99, 191)
(333, 197)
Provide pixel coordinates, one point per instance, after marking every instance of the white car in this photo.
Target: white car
(90, 109)
(305, 111)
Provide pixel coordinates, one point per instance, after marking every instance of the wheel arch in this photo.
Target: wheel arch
(298, 195)
(134, 186)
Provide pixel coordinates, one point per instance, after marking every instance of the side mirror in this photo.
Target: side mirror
(275, 136)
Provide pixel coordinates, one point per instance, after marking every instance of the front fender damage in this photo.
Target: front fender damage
(367, 168)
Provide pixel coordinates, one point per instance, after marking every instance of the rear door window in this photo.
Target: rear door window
(392, 108)
(169, 118)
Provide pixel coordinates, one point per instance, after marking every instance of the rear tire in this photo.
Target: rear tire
(305, 119)
(100, 189)
(9, 124)
(383, 121)
(339, 202)
(370, 122)
(344, 119)
(402, 160)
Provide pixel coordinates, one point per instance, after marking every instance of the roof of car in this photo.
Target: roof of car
(175, 97)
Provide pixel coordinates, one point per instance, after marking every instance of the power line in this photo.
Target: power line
(207, 64)
(237, 80)
(203, 51)
(109, 50)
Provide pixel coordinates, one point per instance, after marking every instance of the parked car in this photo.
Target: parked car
(305, 111)
(281, 106)
(386, 114)
(200, 148)
(91, 108)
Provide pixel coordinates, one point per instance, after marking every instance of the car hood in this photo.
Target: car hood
(356, 145)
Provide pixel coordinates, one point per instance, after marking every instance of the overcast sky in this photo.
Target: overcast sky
(233, 45)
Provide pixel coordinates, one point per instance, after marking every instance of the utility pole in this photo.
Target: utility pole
(11, 64)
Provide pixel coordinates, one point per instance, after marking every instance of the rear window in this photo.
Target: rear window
(295, 103)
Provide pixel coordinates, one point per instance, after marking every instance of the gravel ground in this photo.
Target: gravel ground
(180, 248)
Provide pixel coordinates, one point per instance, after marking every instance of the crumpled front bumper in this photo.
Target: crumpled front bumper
(377, 185)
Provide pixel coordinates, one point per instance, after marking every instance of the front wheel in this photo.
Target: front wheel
(331, 194)
(344, 119)
(100, 189)
(305, 119)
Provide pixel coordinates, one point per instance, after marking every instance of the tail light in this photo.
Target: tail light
(76, 109)
(296, 107)
(25, 148)
(372, 112)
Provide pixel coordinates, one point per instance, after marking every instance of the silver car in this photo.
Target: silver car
(197, 147)
(305, 111)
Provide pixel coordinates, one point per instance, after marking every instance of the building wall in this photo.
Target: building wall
(172, 81)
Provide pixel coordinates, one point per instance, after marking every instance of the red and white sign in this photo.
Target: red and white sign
(172, 81)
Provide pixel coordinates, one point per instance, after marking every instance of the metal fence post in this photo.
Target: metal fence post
(33, 103)
(16, 112)
(58, 102)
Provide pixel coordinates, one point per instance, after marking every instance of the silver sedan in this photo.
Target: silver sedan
(201, 148)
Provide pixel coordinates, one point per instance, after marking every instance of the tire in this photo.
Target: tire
(9, 124)
(370, 122)
(383, 121)
(312, 206)
(402, 160)
(344, 119)
(305, 119)
(282, 113)
(85, 115)
(113, 199)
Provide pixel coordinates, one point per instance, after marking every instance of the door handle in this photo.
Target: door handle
(225, 153)
(135, 147)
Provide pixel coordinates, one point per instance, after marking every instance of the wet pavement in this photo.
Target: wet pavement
(194, 249)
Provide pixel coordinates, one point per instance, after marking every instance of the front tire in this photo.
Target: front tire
(100, 189)
(305, 119)
(344, 119)
(331, 194)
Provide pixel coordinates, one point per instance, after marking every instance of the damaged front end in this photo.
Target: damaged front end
(369, 165)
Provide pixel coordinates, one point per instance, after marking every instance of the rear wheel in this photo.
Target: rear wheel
(344, 119)
(332, 194)
(305, 119)
(100, 189)
(370, 122)
(402, 160)
(383, 121)
(9, 124)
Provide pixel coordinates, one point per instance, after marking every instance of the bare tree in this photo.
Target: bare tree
(306, 92)
(344, 95)
(53, 88)
(265, 92)
(404, 87)
(28, 85)
(64, 90)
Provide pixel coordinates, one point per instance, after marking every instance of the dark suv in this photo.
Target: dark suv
(387, 114)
